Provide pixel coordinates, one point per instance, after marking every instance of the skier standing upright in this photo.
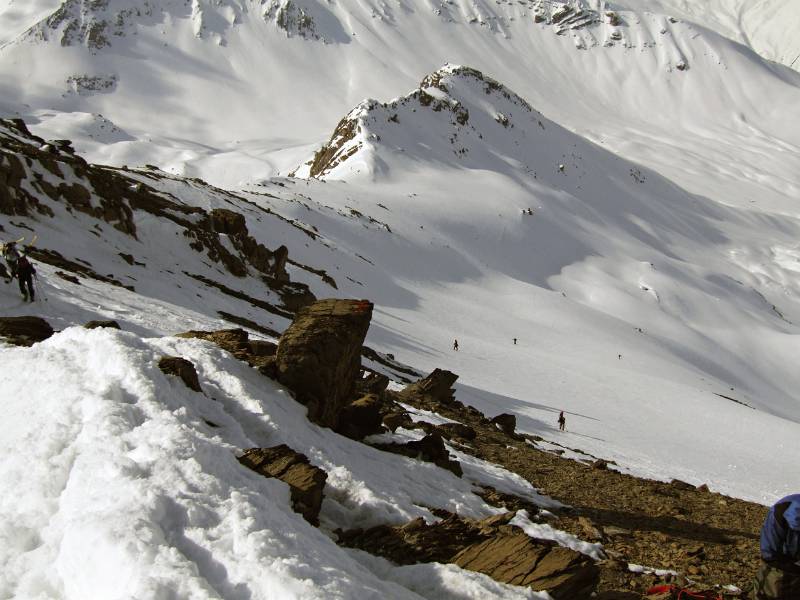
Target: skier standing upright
(25, 272)
(562, 421)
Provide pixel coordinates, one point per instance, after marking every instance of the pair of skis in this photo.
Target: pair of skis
(19, 241)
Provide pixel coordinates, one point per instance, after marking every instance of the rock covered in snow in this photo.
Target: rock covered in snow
(182, 368)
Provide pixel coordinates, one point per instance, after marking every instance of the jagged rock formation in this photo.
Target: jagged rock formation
(37, 177)
(319, 356)
(491, 546)
(305, 481)
(182, 368)
(24, 331)
(258, 354)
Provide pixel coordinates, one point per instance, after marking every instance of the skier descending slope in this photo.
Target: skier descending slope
(779, 575)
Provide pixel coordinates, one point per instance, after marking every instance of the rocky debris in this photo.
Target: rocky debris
(661, 525)
(506, 422)
(110, 324)
(490, 546)
(398, 418)
(400, 372)
(306, 482)
(292, 19)
(431, 448)
(319, 356)
(256, 353)
(24, 331)
(362, 418)
(456, 430)
(372, 383)
(180, 367)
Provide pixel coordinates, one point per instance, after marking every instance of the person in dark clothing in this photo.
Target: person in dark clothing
(11, 256)
(562, 421)
(778, 578)
(25, 272)
(455, 345)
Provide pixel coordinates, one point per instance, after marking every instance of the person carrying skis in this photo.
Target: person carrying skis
(778, 578)
(562, 421)
(25, 272)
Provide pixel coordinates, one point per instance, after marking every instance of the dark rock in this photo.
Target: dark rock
(102, 324)
(262, 348)
(228, 222)
(319, 356)
(514, 557)
(362, 417)
(450, 430)
(281, 255)
(600, 464)
(373, 383)
(175, 365)
(431, 448)
(506, 422)
(24, 331)
(305, 481)
(491, 546)
(703, 488)
(436, 387)
(396, 419)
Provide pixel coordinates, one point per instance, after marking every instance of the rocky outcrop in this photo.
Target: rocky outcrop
(257, 353)
(319, 356)
(362, 418)
(490, 546)
(431, 448)
(180, 367)
(506, 422)
(110, 324)
(24, 331)
(435, 388)
(306, 482)
(456, 430)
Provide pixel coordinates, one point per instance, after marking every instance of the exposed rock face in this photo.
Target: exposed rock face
(180, 367)
(431, 448)
(362, 417)
(514, 557)
(506, 422)
(436, 387)
(306, 481)
(490, 546)
(373, 383)
(319, 356)
(102, 324)
(256, 353)
(24, 331)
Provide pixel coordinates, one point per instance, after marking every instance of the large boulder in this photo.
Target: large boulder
(319, 356)
(431, 448)
(306, 482)
(24, 331)
(362, 418)
(109, 324)
(506, 422)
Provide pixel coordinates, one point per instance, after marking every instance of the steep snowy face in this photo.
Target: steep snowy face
(768, 26)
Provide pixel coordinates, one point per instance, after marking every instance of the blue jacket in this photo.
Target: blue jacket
(780, 535)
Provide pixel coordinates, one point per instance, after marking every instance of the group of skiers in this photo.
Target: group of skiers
(19, 267)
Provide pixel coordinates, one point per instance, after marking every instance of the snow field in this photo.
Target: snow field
(123, 488)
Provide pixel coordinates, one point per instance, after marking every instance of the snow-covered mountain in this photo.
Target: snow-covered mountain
(598, 201)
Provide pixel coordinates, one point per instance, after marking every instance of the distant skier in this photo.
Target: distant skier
(778, 578)
(562, 421)
(25, 273)
(455, 345)
(515, 341)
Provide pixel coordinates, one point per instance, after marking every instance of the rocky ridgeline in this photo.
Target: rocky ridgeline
(37, 176)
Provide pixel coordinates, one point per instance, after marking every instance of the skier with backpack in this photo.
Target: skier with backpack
(11, 256)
